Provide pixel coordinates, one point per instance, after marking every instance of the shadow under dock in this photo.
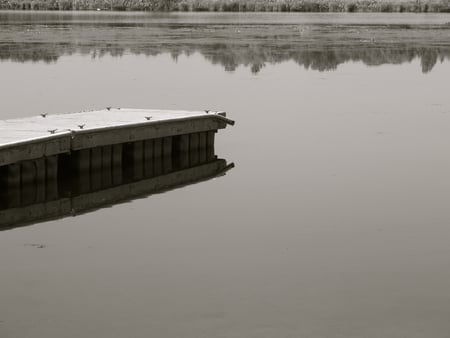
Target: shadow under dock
(88, 179)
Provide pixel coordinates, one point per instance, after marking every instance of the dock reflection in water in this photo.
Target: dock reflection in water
(135, 174)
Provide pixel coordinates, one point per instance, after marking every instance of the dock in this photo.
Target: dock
(35, 148)
(60, 165)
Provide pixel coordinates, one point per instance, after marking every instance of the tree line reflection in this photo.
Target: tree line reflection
(321, 47)
(231, 57)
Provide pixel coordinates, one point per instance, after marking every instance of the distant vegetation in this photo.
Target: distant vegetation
(234, 5)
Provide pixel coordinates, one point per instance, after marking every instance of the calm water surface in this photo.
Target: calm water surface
(335, 221)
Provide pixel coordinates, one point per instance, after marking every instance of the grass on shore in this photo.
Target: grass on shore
(418, 6)
(312, 6)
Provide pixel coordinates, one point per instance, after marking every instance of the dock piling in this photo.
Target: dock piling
(210, 140)
(148, 158)
(40, 170)
(194, 157)
(157, 147)
(27, 172)
(106, 166)
(202, 146)
(13, 175)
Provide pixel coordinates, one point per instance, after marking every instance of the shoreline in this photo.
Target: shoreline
(245, 6)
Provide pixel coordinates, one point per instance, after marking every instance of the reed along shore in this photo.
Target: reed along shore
(418, 6)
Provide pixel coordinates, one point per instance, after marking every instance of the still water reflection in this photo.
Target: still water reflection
(75, 192)
(334, 223)
(320, 42)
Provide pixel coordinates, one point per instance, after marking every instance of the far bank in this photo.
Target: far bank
(418, 6)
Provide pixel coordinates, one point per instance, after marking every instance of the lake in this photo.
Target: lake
(334, 222)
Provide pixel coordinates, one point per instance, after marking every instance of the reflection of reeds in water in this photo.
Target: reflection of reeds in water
(231, 57)
(235, 5)
(103, 176)
(317, 47)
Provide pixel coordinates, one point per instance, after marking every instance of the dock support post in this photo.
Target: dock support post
(51, 189)
(193, 148)
(148, 158)
(28, 193)
(167, 164)
(182, 144)
(133, 156)
(138, 158)
(40, 179)
(40, 170)
(167, 154)
(117, 155)
(27, 172)
(181, 150)
(14, 197)
(51, 164)
(106, 156)
(157, 166)
(157, 156)
(96, 167)
(12, 173)
(202, 146)
(3, 188)
(83, 160)
(96, 158)
(83, 167)
(40, 191)
(157, 147)
(167, 146)
(210, 139)
(28, 178)
(106, 166)
(194, 141)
